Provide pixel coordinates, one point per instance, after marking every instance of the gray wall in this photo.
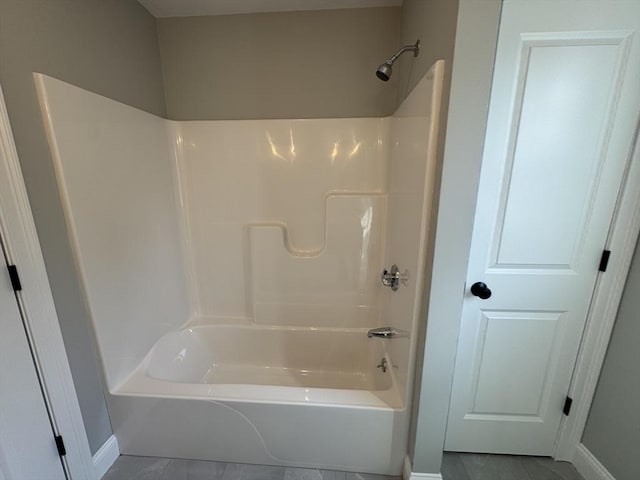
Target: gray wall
(279, 65)
(434, 23)
(109, 47)
(612, 432)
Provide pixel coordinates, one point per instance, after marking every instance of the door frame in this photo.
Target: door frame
(36, 302)
(621, 240)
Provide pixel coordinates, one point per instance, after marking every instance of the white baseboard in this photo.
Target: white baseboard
(588, 466)
(407, 474)
(105, 457)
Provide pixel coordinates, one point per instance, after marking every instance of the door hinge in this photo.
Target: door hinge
(604, 260)
(15, 278)
(567, 405)
(60, 444)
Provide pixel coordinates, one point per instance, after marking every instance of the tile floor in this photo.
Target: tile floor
(476, 466)
(456, 466)
(147, 468)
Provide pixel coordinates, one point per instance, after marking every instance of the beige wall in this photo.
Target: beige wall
(109, 47)
(612, 432)
(279, 65)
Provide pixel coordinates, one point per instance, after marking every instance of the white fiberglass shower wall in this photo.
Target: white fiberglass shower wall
(285, 219)
(232, 271)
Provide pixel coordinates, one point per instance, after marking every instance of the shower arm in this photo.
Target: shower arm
(407, 48)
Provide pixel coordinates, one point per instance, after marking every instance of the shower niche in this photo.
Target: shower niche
(231, 270)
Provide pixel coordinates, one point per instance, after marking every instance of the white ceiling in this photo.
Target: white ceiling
(189, 8)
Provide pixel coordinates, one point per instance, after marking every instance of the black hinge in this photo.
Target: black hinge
(567, 406)
(604, 260)
(15, 278)
(60, 444)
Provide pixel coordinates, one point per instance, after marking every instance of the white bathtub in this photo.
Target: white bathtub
(292, 396)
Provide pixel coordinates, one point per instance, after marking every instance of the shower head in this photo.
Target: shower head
(385, 69)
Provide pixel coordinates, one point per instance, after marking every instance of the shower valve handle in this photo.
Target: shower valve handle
(393, 278)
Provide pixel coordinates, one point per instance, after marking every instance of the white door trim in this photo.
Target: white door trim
(623, 235)
(36, 301)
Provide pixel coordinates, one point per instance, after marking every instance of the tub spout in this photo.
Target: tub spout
(386, 332)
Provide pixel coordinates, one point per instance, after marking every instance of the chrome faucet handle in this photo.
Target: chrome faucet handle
(394, 277)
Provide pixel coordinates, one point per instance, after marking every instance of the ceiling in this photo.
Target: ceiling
(189, 8)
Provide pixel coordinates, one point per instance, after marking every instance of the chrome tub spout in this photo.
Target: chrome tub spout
(386, 332)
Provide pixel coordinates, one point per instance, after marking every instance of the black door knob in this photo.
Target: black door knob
(480, 289)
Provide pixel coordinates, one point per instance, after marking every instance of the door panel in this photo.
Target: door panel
(564, 106)
(516, 347)
(560, 129)
(27, 449)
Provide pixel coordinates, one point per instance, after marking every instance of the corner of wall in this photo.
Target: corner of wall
(475, 40)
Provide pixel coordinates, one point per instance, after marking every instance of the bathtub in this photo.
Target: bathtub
(294, 396)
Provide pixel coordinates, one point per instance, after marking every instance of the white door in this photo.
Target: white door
(564, 105)
(27, 445)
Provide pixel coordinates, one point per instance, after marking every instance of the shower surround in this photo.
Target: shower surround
(232, 271)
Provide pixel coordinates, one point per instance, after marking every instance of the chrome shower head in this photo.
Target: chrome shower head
(385, 69)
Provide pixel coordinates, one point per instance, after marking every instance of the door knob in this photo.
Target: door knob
(480, 289)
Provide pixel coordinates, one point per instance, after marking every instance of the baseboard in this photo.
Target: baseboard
(105, 457)
(407, 474)
(588, 466)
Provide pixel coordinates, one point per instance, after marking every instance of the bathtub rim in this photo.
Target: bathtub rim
(140, 384)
